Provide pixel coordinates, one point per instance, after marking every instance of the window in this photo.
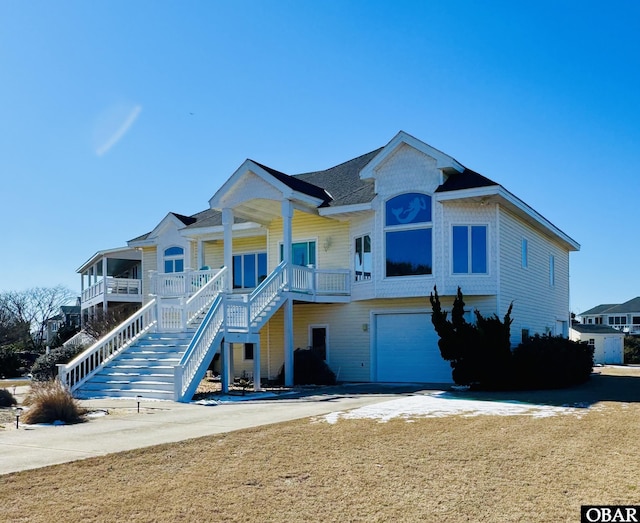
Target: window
(524, 333)
(174, 259)
(362, 262)
(249, 270)
(552, 270)
(525, 253)
(592, 341)
(248, 351)
(617, 320)
(635, 320)
(469, 249)
(302, 253)
(408, 235)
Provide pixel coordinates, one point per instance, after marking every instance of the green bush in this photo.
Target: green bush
(6, 398)
(309, 369)
(631, 349)
(45, 369)
(479, 354)
(547, 362)
(51, 401)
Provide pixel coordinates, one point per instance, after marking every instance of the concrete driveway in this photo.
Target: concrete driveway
(123, 428)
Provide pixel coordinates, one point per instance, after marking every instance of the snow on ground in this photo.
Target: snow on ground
(439, 404)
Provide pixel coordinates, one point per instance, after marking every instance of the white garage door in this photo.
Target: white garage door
(406, 347)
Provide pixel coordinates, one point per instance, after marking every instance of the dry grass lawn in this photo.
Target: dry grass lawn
(452, 469)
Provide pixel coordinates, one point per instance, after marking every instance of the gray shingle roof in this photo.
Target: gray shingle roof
(336, 186)
(343, 181)
(598, 309)
(633, 305)
(594, 329)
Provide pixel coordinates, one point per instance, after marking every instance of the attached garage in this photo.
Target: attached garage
(405, 349)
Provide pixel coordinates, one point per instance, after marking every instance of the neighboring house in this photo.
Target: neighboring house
(343, 260)
(110, 277)
(607, 342)
(69, 316)
(624, 317)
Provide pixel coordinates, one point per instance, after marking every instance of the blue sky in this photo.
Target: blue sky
(114, 113)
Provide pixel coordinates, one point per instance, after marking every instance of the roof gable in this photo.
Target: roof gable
(443, 161)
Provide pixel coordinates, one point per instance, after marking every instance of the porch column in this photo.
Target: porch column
(200, 247)
(256, 366)
(288, 343)
(225, 364)
(227, 222)
(104, 285)
(287, 218)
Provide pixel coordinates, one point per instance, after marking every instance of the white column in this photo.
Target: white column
(104, 285)
(227, 222)
(224, 366)
(288, 343)
(200, 247)
(256, 366)
(287, 218)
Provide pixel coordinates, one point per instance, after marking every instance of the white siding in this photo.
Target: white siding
(149, 263)
(537, 305)
(467, 214)
(407, 170)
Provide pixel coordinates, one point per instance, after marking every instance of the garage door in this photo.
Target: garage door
(406, 350)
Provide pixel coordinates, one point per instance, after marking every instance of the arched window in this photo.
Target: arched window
(408, 235)
(174, 259)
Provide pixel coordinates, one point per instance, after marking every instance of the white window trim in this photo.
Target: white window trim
(524, 253)
(552, 270)
(405, 227)
(296, 240)
(469, 273)
(244, 253)
(353, 256)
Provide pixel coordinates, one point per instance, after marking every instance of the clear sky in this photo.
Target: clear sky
(114, 113)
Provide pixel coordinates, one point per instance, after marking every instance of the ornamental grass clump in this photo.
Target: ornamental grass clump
(51, 401)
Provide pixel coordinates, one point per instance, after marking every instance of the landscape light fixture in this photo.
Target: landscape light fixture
(139, 397)
(18, 413)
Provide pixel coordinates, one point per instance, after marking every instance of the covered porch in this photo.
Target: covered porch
(108, 277)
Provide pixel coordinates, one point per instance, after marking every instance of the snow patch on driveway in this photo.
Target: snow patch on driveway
(440, 404)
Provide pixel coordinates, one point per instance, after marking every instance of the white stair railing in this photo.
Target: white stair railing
(242, 311)
(90, 361)
(201, 300)
(192, 366)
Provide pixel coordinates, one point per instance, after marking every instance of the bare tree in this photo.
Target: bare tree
(35, 307)
(103, 322)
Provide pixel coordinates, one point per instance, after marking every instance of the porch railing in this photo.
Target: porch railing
(172, 284)
(320, 281)
(190, 370)
(243, 310)
(89, 362)
(78, 339)
(112, 286)
(176, 313)
(202, 299)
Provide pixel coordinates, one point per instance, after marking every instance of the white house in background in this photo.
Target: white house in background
(340, 260)
(624, 317)
(607, 342)
(110, 277)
